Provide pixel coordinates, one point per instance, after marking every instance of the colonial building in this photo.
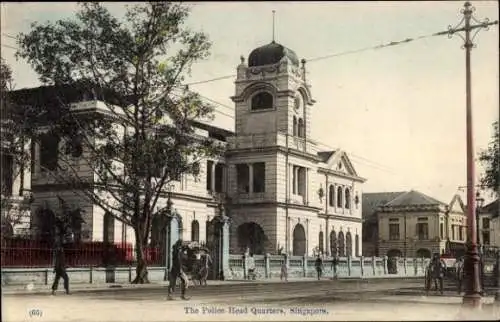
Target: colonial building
(285, 193)
(280, 190)
(489, 225)
(413, 224)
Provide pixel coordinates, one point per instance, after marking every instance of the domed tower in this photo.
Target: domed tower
(272, 112)
(270, 91)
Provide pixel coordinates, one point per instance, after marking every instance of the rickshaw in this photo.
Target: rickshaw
(192, 265)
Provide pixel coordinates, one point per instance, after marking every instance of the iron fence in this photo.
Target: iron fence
(29, 253)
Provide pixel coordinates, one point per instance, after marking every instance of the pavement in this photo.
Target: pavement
(87, 287)
(296, 300)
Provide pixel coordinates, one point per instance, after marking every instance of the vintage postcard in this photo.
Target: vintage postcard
(250, 161)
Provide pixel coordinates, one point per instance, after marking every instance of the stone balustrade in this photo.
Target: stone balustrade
(269, 266)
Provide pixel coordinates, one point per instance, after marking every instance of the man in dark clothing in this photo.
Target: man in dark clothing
(319, 266)
(334, 266)
(60, 270)
(177, 271)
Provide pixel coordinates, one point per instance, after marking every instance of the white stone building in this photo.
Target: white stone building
(283, 193)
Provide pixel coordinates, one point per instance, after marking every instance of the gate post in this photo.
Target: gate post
(385, 265)
(172, 221)
(222, 245)
(172, 237)
(267, 265)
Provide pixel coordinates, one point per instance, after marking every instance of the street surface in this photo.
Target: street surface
(368, 300)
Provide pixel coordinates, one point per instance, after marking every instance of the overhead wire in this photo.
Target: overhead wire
(389, 44)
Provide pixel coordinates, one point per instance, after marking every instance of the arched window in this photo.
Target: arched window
(294, 125)
(262, 101)
(320, 242)
(341, 244)
(195, 231)
(333, 243)
(348, 244)
(300, 129)
(331, 195)
(347, 199)
(339, 197)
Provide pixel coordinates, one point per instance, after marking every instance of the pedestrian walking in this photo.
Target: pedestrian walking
(284, 269)
(251, 267)
(60, 270)
(319, 266)
(177, 271)
(335, 262)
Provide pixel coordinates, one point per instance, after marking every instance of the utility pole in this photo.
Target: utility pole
(472, 297)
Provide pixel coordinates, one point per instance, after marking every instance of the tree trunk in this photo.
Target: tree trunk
(141, 269)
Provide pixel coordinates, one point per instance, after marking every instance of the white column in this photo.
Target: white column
(250, 177)
(16, 177)
(212, 183)
(290, 182)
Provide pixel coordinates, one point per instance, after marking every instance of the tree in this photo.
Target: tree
(143, 138)
(489, 157)
(14, 154)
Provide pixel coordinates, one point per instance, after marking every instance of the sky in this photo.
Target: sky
(399, 112)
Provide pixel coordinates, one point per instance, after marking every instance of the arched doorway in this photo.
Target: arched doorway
(394, 253)
(299, 240)
(423, 252)
(251, 236)
(341, 244)
(348, 244)
(333, 243)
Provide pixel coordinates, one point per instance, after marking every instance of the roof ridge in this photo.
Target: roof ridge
(396, 198)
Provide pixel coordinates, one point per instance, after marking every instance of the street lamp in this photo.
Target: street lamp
(472, 295)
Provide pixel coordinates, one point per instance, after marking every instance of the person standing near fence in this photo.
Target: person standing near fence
(60, 270)
(284, 269)
(319, 266)
(251, 267)
(205, 261)
(335, 262)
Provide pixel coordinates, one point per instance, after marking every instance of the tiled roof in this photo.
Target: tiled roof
(414, 198)
(370, 201)
(325, 155)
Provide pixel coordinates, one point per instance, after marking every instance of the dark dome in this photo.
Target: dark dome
(271, 54)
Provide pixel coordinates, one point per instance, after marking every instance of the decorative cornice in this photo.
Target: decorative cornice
(346, 218)
(274, 204)
(341, 174)
(409, 208)
(273, 149)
